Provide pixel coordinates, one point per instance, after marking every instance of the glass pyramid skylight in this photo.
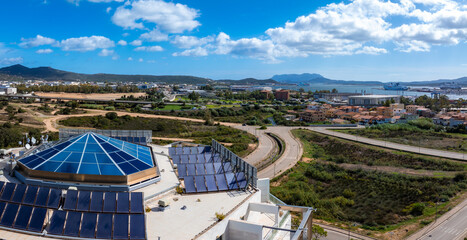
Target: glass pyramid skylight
(92, 153)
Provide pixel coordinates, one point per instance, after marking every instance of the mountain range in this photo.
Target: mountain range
(20, 72)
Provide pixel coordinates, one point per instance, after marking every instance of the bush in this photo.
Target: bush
(111, 115)
(220, 216)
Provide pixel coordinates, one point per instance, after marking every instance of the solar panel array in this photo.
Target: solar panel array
(85, 214)
(92, 153)
(204, 171)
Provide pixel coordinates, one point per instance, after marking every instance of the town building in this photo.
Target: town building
(282, 95)
(372, 100)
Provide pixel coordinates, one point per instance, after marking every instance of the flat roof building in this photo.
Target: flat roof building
(372, 100)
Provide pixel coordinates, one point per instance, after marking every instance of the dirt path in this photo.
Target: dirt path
(51, 124)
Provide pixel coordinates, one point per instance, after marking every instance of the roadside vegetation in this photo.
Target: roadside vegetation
(374, 201)
(421, 132)
(238, 141)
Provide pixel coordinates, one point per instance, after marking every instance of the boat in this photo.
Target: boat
(450, 86)
(395, 86)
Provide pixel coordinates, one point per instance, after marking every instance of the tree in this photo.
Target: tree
(193, 96)
(111, 115)
(318, 232)
(334, 90)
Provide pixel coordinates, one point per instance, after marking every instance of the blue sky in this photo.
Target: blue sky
(403, 40)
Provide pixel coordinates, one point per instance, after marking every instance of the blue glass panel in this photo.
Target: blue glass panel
(34, 163)
(189, 184)
(201, 158)
(82, 139)
(84, 199)
(179, 150)
(117, 158)
(50, 154)
(123, 202)
(181, 170)
(23, 217)
(186, 150)
(19, 193)
(45, 152)
(107, 169)
(8, 191)
(216, 158)
(104, 226)
(200, 185)
(109, 148)
(127, 168)
(136, 204)
(175, 159)
(190, 170)
(125, 156)
(9, 215)
(200, 169)
(75, 147)
(103, 158)
(227, 167)
(93, 148)
(184, 159)
(42, 197)
(60, 157)
(97, 201)
(37, 220)
(49, 166)
(75, 157)
(241, 180)
(231, 181)
(139, 165)
(120, 226)
(27, 159)
(88, 168)
(70, 200)
(62, 145)
(30, 195)
(192, 159)
(89, 158)
(57, 222)
(88, 226)
(54, 198)
(208, 158)
(110, 202)
(211, 183)
(200, 149)
(209, 168)
(73, 222)
(218, 168)
(137, 227)
(221, 183)
(2, 207)
(68, 167)
(148, 160)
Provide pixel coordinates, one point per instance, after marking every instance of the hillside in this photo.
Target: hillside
(248, 81)
(51, 74)
(314, 78)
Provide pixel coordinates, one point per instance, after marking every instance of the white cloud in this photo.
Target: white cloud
(190, 41)
(76, 2)
(44, 51)
(10, 61)
(371, 50)
(106, 52)
(84, 44)
(140, 60)
(149, 49)
(107, 10)
(36, 41)
(413, 46)
(130, 59)
(196, 52)
(122, 43)
(136, 43)
(168, 16)
(154, 36)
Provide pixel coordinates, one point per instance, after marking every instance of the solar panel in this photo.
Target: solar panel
(192, 158)
(171, 151)
(9, 215)
(200, 169)
(54, 198)
(30, 195)
(23, 217)
(241, 180)
(19, 193)
(181, 170)
(201, 158)
(211, 183)
(71, 200)
(189, 185)
(1, 185)
(218, 168)
(72, 224)
(123, 202)
(110, 202)
(137, 205)
(84, 199)
(231, 181)
(221, 183)
(186, 150)
(120, 226)
(88, 225)
(176, 159)
(42, 197)
(37, 220)
(97, 201)
(208, 157)
(8, 191)
(200, 185)
(57, 222)
(209, 168)
(190, 170)
(104, 226)
(137, 226)
(227, 167)
(184, 159)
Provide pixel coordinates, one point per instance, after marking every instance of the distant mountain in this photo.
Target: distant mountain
(248, 81)
(314, 78)
(51, 74)
(461, 81)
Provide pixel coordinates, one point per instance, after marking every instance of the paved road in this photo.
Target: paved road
(391, 145)
(265, 144)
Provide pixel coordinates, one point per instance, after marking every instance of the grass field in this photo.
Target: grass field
(376, 201)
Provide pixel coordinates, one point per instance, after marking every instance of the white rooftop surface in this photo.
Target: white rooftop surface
(374, 96)
(175, 223)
